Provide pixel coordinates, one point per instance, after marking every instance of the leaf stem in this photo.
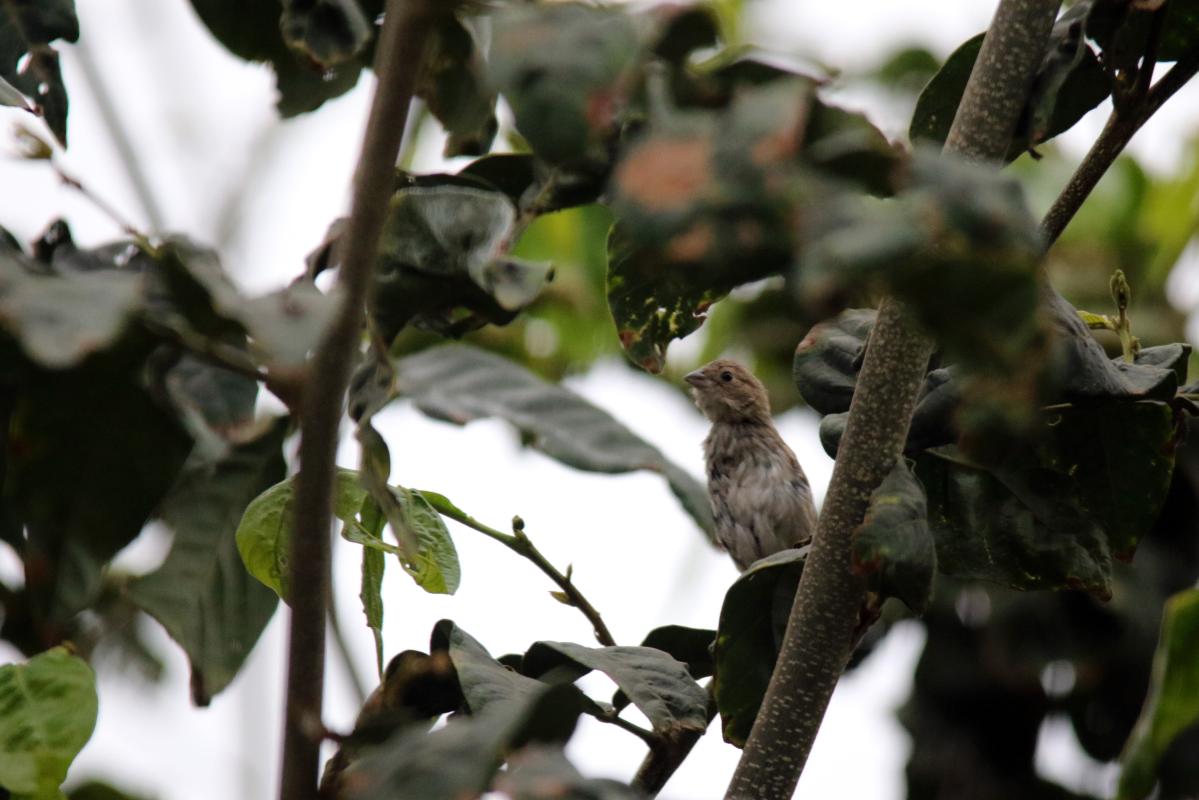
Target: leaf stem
(519, 543)
(398, 57)
(1116, 135)
(664, 758)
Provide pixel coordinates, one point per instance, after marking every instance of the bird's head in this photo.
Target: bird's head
(727, 392)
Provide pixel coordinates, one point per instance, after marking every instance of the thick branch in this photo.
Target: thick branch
(1116, 135)
(400, 49)
(819, 636)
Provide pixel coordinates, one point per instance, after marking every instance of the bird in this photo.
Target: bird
(761, 500)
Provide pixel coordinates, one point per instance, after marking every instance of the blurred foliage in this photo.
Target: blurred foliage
(668, 181)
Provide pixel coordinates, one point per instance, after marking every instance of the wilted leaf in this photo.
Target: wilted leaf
(202, 594)
(50, 710)
(893, 546)
(459, 384)
(1172, 705)
(752, 620)
(656, 683)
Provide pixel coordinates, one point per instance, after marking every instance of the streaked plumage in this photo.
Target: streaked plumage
(760, 496)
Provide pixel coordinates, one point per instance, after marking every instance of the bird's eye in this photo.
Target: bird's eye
(726, 376)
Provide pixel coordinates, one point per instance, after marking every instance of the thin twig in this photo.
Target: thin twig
(397, 60)
(342, 647)
(1116, 134)
(211, 351)
(519, 543)
(613, 718)
(126, 152)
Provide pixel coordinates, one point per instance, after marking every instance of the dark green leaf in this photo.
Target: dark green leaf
(252, 32)
(91, 454)
(329, 32)
(544, 773)
(95, 790)
(50, 710)
(445, 248)
(29, 64)
(60, 320)
(564, 69)
(685, 29)
(1054, 514)
(264, 533)
(459, 384)
(373, 566)
(960, 246)
(752, 621)
(656, 683)
(202, 594)
(1172, 705)
(703, 203)
(1068, 84)
(1180, 30)
(485, 682)
(461, 759)
(453, 85)
(692, 646)
(827, 360)
(893, 546)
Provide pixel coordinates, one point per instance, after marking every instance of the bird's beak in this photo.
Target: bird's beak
(694, 378)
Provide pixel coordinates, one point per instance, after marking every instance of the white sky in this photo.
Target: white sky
(203, 125)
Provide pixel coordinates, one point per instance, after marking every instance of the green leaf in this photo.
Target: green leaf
(1172, 705)
(371, 594)
(202, 594)
(1054, 513)
(11, 96)
(703, 203)
(252, 32)
(445, 248)
(426, 551)
(29, 64)
(656, 683)
(61, 319)
(91, 454)
(692, 646)
(264, 533)
(96, 790)
(1068, 84)
(565, 70)
(454, 85)
(540, 772)
(827, 360)
(461, 759)
(458, 384)
(752, 620)
(893, 546)
(485, 682)
(50, 710)
(329, 32)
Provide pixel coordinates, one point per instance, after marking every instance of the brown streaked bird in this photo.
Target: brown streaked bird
(761, 500)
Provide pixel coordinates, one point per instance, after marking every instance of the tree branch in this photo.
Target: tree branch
(1115, 137)
(520, 544)
(397, 60)
(819, 637)
(664, 758)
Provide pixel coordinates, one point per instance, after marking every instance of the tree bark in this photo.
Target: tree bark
(397, 60)
(818, 641)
